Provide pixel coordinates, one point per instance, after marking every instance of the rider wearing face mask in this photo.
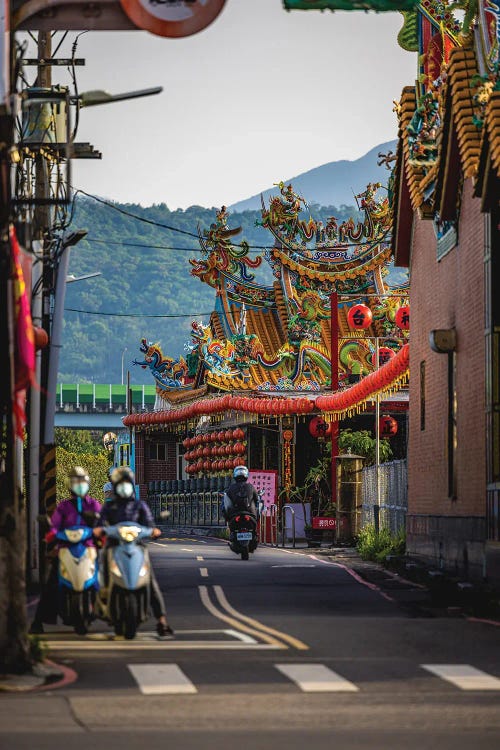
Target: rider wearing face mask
(123, 506)
(77, 510)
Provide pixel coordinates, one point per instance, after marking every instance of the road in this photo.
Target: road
(283, 651)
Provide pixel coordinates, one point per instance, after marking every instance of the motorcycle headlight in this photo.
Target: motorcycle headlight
(129, 533)
(144, 570)
(115, 569)
(74, 535)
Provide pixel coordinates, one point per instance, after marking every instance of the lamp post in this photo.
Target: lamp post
(123, 354)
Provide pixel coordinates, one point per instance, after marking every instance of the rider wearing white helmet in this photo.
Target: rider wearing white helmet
(241, 496)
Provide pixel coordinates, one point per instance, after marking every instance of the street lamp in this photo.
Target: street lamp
(123, 354)
(72, 277)
(93, 98)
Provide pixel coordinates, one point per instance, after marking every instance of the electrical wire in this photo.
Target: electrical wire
(138, 315)
(151, 222)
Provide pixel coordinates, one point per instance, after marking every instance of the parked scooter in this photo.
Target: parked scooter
(128, 568)
(78, 577)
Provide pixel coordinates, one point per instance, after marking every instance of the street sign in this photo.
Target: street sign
(172, 18)
(323, 522)
(267, 483)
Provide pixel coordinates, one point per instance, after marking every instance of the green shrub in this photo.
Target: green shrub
(373, 546)
(97, 466)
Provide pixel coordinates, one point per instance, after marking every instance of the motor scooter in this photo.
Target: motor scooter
(243, 534)
(78, 577)
(127, 589)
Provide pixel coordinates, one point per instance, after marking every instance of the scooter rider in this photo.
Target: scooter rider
(241, 496)
(78, 510)
(123, 506)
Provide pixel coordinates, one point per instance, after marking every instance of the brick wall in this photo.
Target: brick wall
(446, 294)
(147, 469)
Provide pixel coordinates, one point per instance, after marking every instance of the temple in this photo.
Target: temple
(261, 366)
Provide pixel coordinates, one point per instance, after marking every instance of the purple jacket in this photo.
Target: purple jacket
(66, 514)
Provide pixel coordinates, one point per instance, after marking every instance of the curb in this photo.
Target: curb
(35, 683)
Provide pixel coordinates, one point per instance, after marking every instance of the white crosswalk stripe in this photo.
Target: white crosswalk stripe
(316, 678)
(161, 679)
(464, 676)
(165, 679)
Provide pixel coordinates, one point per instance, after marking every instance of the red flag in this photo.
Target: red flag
(24, 362)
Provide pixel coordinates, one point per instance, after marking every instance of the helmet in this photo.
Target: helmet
(78, 481)
(79, 473)
(240, 474)
(123, 480)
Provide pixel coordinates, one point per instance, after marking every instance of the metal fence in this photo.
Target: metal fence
(393, 495)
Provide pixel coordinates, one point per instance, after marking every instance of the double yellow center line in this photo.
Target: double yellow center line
(227, 613)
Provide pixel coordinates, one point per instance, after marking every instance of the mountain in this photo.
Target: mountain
(332, 183)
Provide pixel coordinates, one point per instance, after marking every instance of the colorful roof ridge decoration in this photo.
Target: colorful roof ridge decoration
(277, 339)
(386, 380)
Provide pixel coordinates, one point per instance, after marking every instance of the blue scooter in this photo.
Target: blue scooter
(78, 577)
(129, 576)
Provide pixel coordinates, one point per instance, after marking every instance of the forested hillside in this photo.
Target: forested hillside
(140, 281)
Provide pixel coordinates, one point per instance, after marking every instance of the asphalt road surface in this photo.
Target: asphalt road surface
(283, 651)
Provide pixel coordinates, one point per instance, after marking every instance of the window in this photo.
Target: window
(452, 425)
(157, 452)
(422, 395)
(446, 237)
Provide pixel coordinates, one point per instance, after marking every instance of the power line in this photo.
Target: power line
(159, 247)
(137, 315)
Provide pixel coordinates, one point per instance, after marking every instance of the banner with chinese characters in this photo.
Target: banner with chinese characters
(267, 483)
(324, 522)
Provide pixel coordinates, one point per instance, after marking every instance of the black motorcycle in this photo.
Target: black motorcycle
(243, 534)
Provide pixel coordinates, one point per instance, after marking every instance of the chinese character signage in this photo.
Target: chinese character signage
(267, 483)
(327, 524)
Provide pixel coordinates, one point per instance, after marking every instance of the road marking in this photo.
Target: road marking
(464, 676)
(316, 678)
(161, 679)
(259, 626)
(185, 549)
(293, 566)
(204, 572)
(236, 624)
(199, 558)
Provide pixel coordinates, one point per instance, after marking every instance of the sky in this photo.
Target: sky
(259, 96)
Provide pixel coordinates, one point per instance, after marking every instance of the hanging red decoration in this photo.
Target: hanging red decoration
(228, 435)
(385, 353)
(238, 434)
(402, 318)
(206, 451)
(359, 317)
(206, 465)
(318, 428)
(388, 427)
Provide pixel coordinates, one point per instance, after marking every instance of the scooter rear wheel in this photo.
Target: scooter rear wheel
(245, 554)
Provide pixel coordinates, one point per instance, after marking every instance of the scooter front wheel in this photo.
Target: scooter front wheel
(130, 616)
(76, 608)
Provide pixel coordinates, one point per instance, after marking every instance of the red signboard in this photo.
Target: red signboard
(173, 18)
(321, 522)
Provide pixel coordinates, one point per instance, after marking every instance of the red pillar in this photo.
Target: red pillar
(334, 301)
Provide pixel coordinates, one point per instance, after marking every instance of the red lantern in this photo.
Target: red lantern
(318, 428)
(238, 434)
(228, 435)
(238, 462)
(239, 449)
(388, 426)
(213, 437)
(220, 436)
(185, 442)
(228, 464)
(384, 355)
(402, 318)
(359, 317)
(235, 462)
(41, 337)
(206, 451)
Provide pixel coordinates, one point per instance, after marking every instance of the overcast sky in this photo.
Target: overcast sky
(259, 96)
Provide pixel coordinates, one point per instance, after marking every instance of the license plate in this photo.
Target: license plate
(244, 536)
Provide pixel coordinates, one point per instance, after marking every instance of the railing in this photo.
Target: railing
(283, 524)
(391, 513)
(272, 514)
